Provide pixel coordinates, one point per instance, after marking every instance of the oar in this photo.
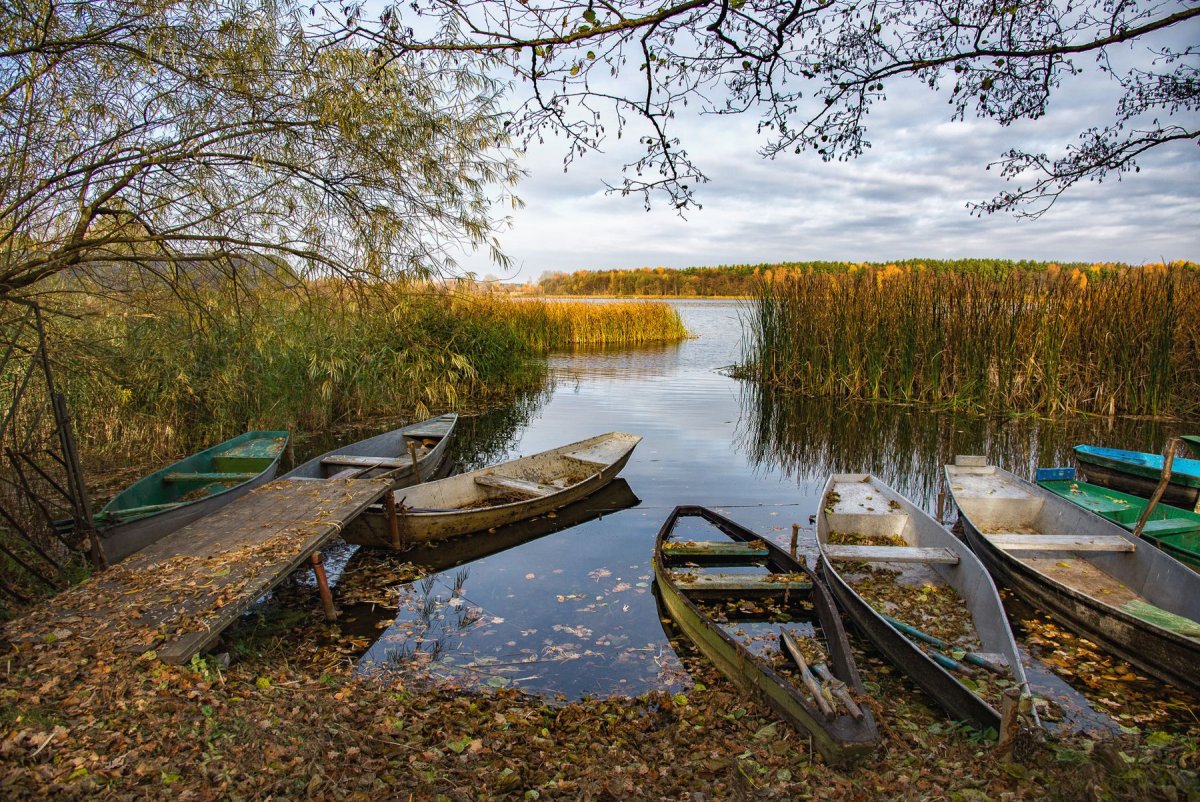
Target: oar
(938, 643)
(839, 690)
(793, 649)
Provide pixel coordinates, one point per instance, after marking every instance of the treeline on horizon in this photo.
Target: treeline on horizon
(747, 280)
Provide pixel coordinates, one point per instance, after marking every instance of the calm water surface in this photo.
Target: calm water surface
(572, 612)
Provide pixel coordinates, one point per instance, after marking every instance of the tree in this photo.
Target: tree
(177, 137)
(812, 70)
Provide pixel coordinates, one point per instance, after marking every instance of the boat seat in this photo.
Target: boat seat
(890, 554)
(1171, 526)
(365, 462)
(519, 485)
(739, 584)
(1012, 541)
(713, 549)
(212, 476)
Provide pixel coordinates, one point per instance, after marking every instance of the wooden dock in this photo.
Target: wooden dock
(176, 596)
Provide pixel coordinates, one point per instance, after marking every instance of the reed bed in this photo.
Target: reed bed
(1103, 340)
(155, 375)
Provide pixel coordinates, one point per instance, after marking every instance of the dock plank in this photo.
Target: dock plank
(177, 595)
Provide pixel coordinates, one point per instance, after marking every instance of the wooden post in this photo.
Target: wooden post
(795, 537)
(389, 506)
(318, 564)
(1168, 459)
(412, 453)
(1010, 721)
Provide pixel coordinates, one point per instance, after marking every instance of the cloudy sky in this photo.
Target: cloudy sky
(905, 198)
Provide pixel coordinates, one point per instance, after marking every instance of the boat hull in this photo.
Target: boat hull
(1107, 468)
(968, 577)
(118, 541)
(842, 741)
(392, 446)
(415, 527)
(1164, 654)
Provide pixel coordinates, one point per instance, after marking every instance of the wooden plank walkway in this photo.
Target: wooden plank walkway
(177, 595)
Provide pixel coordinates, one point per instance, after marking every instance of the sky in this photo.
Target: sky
(906, 197)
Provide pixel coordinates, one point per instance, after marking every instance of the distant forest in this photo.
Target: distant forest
(740, 280)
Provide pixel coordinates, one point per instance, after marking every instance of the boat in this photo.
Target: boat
(1139, 473)
(185, 491)
(1174, 530)
(1093, 576)
(768, 583)
(1192, 441)
(920, 595)
(495, 496)
(406, 455)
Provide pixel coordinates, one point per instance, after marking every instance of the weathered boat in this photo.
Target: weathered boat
(1090, 574)
(1139, 473)
(766, 578)
(496, 495)
(1174, 530)
(1192, 441)
(864, 525)
(406, 455)
(185, 491)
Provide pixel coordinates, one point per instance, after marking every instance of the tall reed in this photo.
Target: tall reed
(161, 376)
(1107, 340)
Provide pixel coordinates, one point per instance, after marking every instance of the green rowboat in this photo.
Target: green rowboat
(1174, 530)
(185, 491)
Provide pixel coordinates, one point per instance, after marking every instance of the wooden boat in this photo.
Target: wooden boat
(864, 525)
(1090, 574)
(185, 491)
(406, 455)
(1176, 531)
(496, 495)
(1192, 441)
(1139, 473)
(844, 733)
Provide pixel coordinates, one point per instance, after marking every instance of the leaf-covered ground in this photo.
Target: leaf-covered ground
(79, 718)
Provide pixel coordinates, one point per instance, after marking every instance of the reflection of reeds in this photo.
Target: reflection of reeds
(811, 438)
(1105, 340)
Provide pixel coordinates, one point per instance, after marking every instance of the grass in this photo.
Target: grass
(1106, 340)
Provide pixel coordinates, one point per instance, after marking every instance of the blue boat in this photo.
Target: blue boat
(1139, 473)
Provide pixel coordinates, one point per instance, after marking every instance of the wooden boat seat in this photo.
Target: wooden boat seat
(365, 462)
(713, 549)
(1012, 541)
(739, 584)
(890, 554)
(1171, 526)
(519, 485)
(212, 476)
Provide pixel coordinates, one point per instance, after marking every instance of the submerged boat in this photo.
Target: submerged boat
(801, 664)
(920, 595)
(1174, 530)
(1090, 574)
(406, 455)
(170, 498)
(1139, 473)
(496, 495)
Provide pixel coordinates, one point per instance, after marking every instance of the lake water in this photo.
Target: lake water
(572, 612)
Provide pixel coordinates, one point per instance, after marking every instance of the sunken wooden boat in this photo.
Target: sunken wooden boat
(1139, 473)
(406, 455)
(1173, 529)
(495, 496)
(878, 552)
(1093, 576)
(185, 491)
(686, 571)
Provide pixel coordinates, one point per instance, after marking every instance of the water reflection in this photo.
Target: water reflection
(811, 438)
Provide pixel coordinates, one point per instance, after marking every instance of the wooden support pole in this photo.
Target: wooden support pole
(1168, 459)
(389, 506)
(412, 452)
(795, 537)
(318, 564)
